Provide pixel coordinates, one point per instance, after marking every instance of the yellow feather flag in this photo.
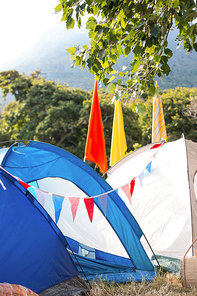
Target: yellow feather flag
(118, 144)
(158, 123)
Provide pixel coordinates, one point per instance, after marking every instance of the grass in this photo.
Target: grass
(164, 285)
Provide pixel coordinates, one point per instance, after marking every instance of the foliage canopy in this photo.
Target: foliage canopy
(57, 114)
(180, 107)
(119, 27)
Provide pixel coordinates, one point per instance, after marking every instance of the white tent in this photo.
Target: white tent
(164, 194)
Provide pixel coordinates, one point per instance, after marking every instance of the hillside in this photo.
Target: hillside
(50, 56)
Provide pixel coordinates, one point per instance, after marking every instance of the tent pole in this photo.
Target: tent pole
(152, 250)
(79, 265)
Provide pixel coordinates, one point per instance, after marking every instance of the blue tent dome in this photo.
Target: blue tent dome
(95, 221)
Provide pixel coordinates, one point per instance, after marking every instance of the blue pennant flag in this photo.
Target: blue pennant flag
(103, 202)
(148, 169)
(141, 177)
(57, 200)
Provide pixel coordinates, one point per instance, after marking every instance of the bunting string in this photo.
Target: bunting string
(57, 199)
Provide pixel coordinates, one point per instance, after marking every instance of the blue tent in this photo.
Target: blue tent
(106, 238)
(33, 250)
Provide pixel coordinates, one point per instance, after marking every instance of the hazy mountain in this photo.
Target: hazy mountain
(50, 56)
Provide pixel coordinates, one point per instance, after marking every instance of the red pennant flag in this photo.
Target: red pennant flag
(24, 184)
(95, 145)
(127, 191)
(156, 145)
(132, 185)
(89, 203)
(74, 205)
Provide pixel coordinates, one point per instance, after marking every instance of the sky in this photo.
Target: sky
(22, 22)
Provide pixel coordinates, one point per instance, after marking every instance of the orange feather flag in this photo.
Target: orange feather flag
(95, 145)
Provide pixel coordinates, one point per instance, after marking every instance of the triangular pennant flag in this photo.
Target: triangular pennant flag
(40, 195)
(148, 169)
(32, 189)
(127, 192)
(103, 202)
(49, 205)
(118, 143)
(132, 186)
(89, 203)
(141, 176)
(156, 145)
(57, 200)
(25, 185)
(95, 150)
(74, 205)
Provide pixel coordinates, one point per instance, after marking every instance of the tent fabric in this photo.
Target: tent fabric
(113, 233)
(191, 150)
(33, 250)
(164, 200)
(107, 270)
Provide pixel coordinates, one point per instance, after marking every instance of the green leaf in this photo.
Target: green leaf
(58, 7)
(151, 89)
(157, 58)
(163, 30)
(73, 57)
(127, 50)
(137, 49)
(136, 65)
(92, 34)
(83, 64)
(175, 3)
(123, 23)
(101, 54)
(82, 6)
(113, 58)
(91, 23)
(114, 72)
(78, 61)
(70, 23)
(71, 50)
(119, 81)
(155, 31)
(105, 81)
(140, 108)
(111, 88)
(195, 46)
(105, 43)
(164, 59)
(111, 79)
(168, 52)
(166, 69)
(95, 10)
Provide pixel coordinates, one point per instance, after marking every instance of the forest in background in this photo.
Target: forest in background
(50, 112)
